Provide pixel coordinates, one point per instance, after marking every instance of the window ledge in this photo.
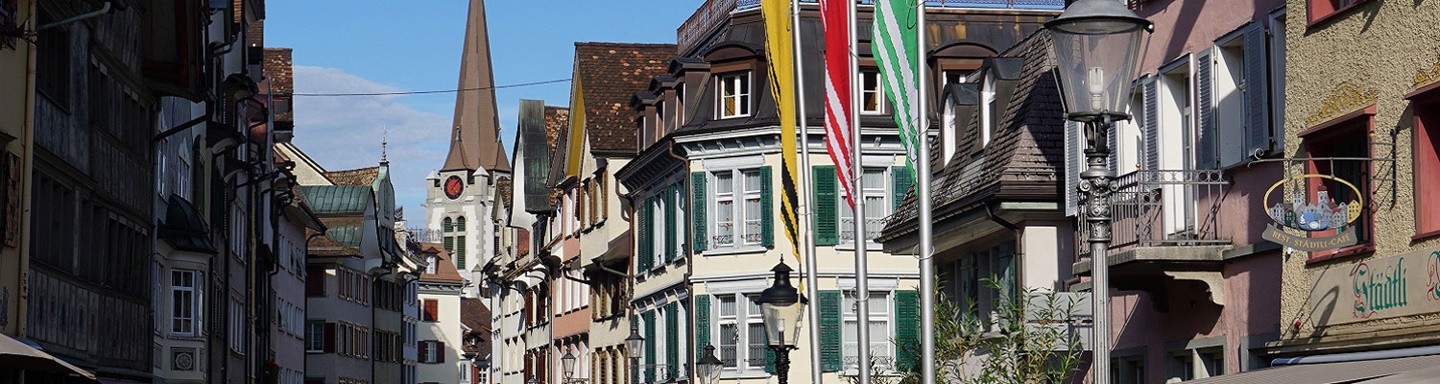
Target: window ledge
(850, 246)
(1341, 253)
(734, 251)
(1425, 235)
(746, 375)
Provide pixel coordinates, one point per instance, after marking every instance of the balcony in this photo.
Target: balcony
(661, 373)
(714, 12)
(1166, 223)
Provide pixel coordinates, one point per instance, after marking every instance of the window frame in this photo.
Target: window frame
(744, 100)
(194, 302)
(1320, 11)
(1425, 176)
(1360, 122)
(850, 317)
(742, 320)
(881, 104)
(844, 210)
(314, 336)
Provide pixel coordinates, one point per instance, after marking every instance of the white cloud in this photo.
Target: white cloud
(345, 132)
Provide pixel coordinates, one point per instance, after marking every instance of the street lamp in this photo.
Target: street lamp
(636, 344)
(568, 364)
(707, 369)
(1097, 44)
(780, 307)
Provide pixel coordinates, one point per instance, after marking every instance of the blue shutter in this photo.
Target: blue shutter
(1151, 128)
(1256, 91)
(1205, 156)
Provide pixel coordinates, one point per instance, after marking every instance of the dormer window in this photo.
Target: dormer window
(430, 265)
(872, 98)
(660, 117)
(734, 95)
(989, 115)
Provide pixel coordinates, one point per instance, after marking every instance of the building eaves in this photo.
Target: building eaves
(609, 73)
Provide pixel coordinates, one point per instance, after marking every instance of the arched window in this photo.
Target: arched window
(460, 224)
(446, 225)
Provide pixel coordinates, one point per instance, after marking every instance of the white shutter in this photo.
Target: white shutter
(1112, 141)
(1151, 128)
(1256, 92)
(1205, 156)
(1074, 164)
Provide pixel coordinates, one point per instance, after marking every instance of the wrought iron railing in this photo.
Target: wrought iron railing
(1164, 208)
(661, 373)
(713, 12)
(872, 228)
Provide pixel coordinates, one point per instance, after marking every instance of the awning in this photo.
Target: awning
(17, 355)
(184, 228)
(1359, 371)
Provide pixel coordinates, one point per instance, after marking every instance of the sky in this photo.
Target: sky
(366, 46)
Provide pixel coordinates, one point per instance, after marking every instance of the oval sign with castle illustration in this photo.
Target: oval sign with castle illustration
(1326, 221)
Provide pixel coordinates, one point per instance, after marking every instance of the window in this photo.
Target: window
(431, 310)
(1321, 10)
(432, 352)
(1345, 137)
(1233, 99)
(956, 76)
(52, 62)
(184, 301)
(877, 207)
(660, 118)
(989, 117)
(237, 325)
(737, 208)
(315, 336)
(872, 97)
(880, 336)
(1128, 370)
(734, 95)
(742, 333)
(430, 262)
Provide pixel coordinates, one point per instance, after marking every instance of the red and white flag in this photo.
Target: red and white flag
(835, 17)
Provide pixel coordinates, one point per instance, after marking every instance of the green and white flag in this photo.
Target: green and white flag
(896, 49)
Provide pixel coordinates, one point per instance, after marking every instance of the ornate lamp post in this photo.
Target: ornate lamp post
(780, 307)
(1097, 43)
(707, 369)
(568, 364)
(636, 346)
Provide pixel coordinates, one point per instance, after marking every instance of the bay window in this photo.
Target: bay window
(184, 301)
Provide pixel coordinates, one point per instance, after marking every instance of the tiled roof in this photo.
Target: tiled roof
(334, 200)
(1025, 157)
(318, 244)
(557, 127)
(358, 177)
(476, 316)
(444, 269)
(609, 74)
(504, 189)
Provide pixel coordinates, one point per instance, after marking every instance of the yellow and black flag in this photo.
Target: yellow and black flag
(780, 52)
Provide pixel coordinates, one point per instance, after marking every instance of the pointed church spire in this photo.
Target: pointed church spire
(476, 144)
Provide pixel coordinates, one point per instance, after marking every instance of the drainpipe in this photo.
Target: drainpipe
(1019, 234)
(103, 10)
(27, 141)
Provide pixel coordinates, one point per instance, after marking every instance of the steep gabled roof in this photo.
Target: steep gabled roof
(1025, 157)
(557, 127)
(356, 177)
(607, 75)
(444, 270)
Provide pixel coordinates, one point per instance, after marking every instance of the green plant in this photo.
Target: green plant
(1028, 339)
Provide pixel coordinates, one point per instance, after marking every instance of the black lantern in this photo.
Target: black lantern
(1097, 44)
(708, 368)
(568, 364)
(780, 307)
(635, 343)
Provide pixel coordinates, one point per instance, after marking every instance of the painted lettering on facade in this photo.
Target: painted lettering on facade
(1379, 288)
(1388, 287)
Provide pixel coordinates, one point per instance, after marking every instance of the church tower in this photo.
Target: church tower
(461, 195)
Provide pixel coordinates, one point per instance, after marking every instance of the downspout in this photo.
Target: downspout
(1019, 234)
(631, 369)
(28, 145)
(103, 10)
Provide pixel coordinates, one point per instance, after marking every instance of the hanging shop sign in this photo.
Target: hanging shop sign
(1325, 223)
(1401, 285)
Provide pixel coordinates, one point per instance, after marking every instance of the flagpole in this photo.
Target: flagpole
(862, 274)
(811, 281)
(927, 246)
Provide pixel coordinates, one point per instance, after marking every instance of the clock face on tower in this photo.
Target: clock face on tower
(453, 187)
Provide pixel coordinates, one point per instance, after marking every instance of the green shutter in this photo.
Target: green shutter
(672, 338)
(702, 325)
(830, 358)
(645, 256)
(767, 206)
(902, 181)
(460, 251)
(826, 205)
(769, 360)
(449, 244)
(670, 223)
(649, 363)
(907, 329)
(697, 210)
